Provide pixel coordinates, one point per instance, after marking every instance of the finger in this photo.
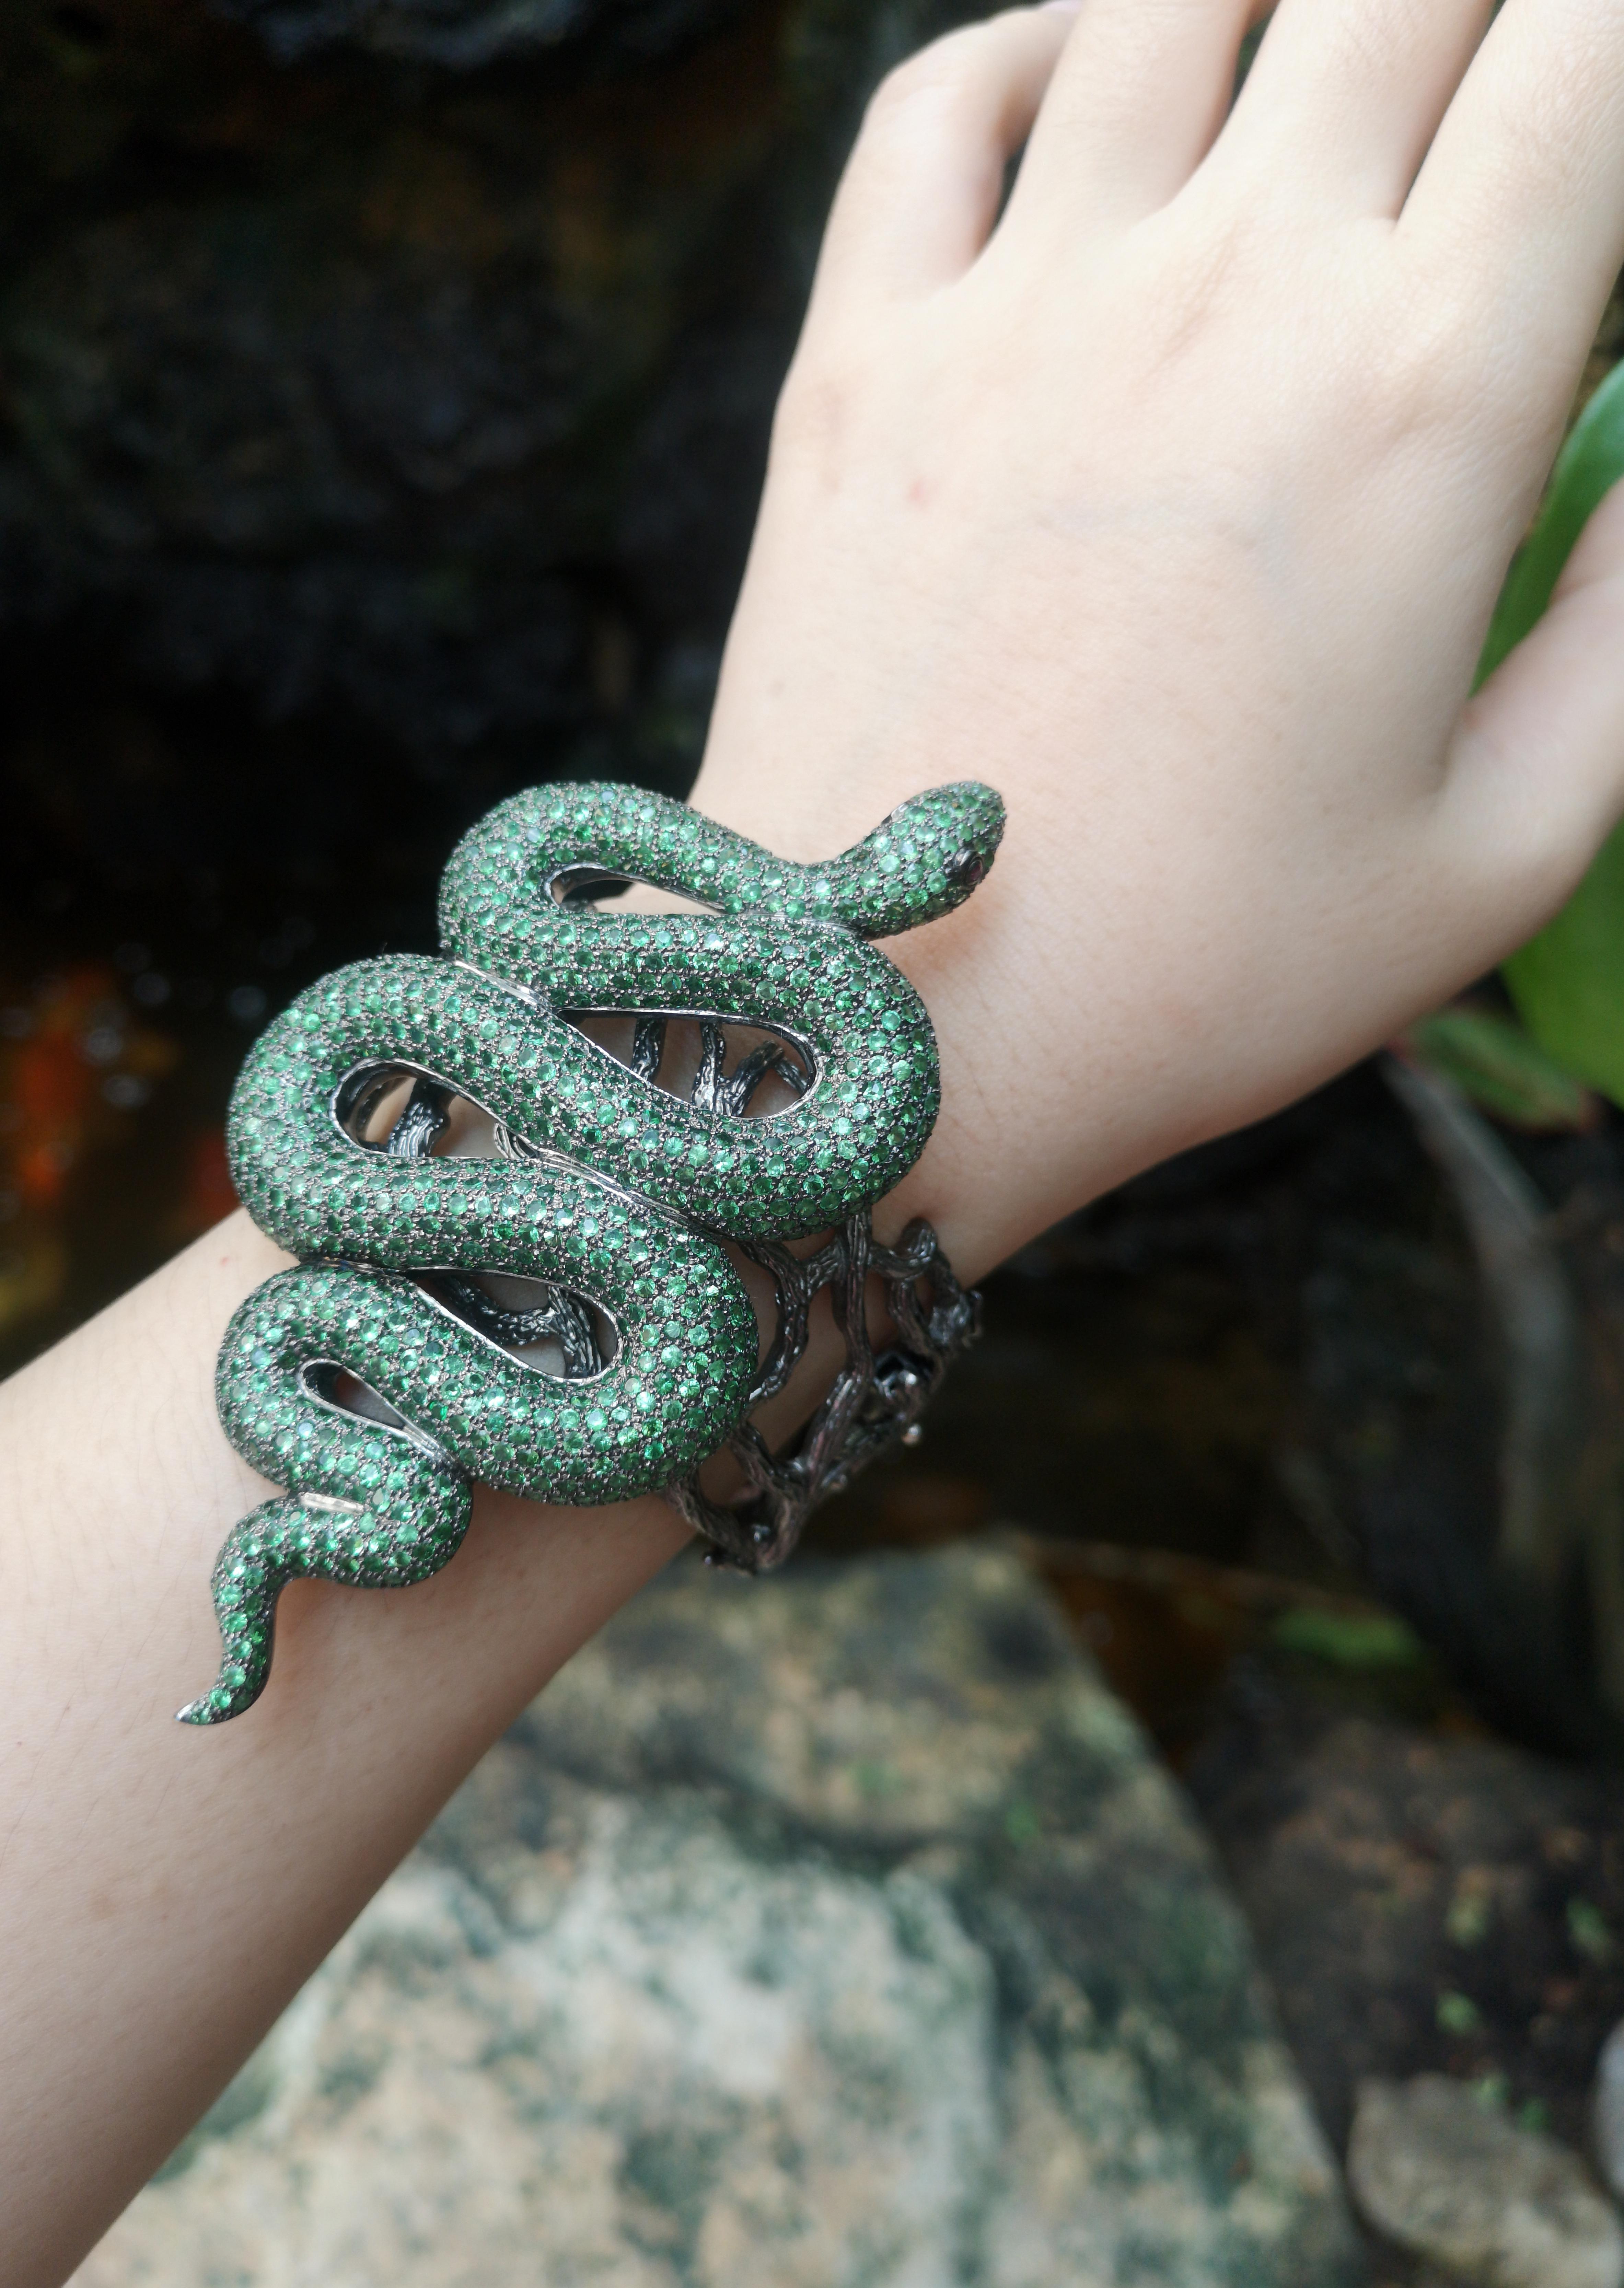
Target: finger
(1134, 104)
(1523, 190)
(1346, 95)
(1536, 774)
(925, 178)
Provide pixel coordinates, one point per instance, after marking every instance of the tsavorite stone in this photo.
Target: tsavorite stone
(491, 1022)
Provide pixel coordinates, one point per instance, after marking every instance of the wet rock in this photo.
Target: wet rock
(361, 360)
(1443, 2174)
(465, 35)
(835, 1929)
(353, 436)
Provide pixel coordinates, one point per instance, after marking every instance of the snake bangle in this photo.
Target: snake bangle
(379, 1378)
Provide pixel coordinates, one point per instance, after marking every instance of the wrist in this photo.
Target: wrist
(1022, 1139)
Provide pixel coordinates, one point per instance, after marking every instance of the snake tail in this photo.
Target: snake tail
(293, 1538)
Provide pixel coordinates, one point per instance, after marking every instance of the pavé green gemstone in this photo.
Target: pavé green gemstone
(489, 1022)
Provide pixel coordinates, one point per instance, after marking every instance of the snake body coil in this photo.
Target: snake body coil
(612, 1191)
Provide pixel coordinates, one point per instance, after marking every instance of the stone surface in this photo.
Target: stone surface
(1441, 2173)
(831, 1930)
(1423, 1902)
(1607, 2112)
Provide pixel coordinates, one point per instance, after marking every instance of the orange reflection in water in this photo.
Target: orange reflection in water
(208, 1192)
(75, 1066)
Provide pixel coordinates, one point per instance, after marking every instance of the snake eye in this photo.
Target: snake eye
(966, 868)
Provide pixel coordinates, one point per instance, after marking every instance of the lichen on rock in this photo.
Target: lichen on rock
(836, 1929)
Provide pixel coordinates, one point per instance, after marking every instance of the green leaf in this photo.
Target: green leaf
(1568, 982)
(1458, 2013)
(1588, 1928)
(1491, 1059)
(1587, 466)
(1348, 1640)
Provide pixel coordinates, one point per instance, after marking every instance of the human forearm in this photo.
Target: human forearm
(165, 1891)
(168, 1890)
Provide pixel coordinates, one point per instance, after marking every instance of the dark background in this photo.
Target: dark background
(384, 396)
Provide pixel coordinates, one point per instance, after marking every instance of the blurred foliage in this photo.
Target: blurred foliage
(1491, 1059)
(1348, 1639)
(1568, 982)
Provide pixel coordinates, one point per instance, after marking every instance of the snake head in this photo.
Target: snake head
(920, 863)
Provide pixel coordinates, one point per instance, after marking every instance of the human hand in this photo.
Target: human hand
(1175, 507)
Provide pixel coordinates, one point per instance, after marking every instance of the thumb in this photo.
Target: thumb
(1535, 774)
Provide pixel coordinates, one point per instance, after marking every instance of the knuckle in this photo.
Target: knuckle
(924, 80)
(1370, 41)
(1437, 378)
(1539, 134)
(1418, 384)
(900, 92)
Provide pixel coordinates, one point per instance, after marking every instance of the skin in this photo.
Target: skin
(1176, 508)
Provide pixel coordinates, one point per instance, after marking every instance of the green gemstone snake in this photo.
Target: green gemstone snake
(614, 1195)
